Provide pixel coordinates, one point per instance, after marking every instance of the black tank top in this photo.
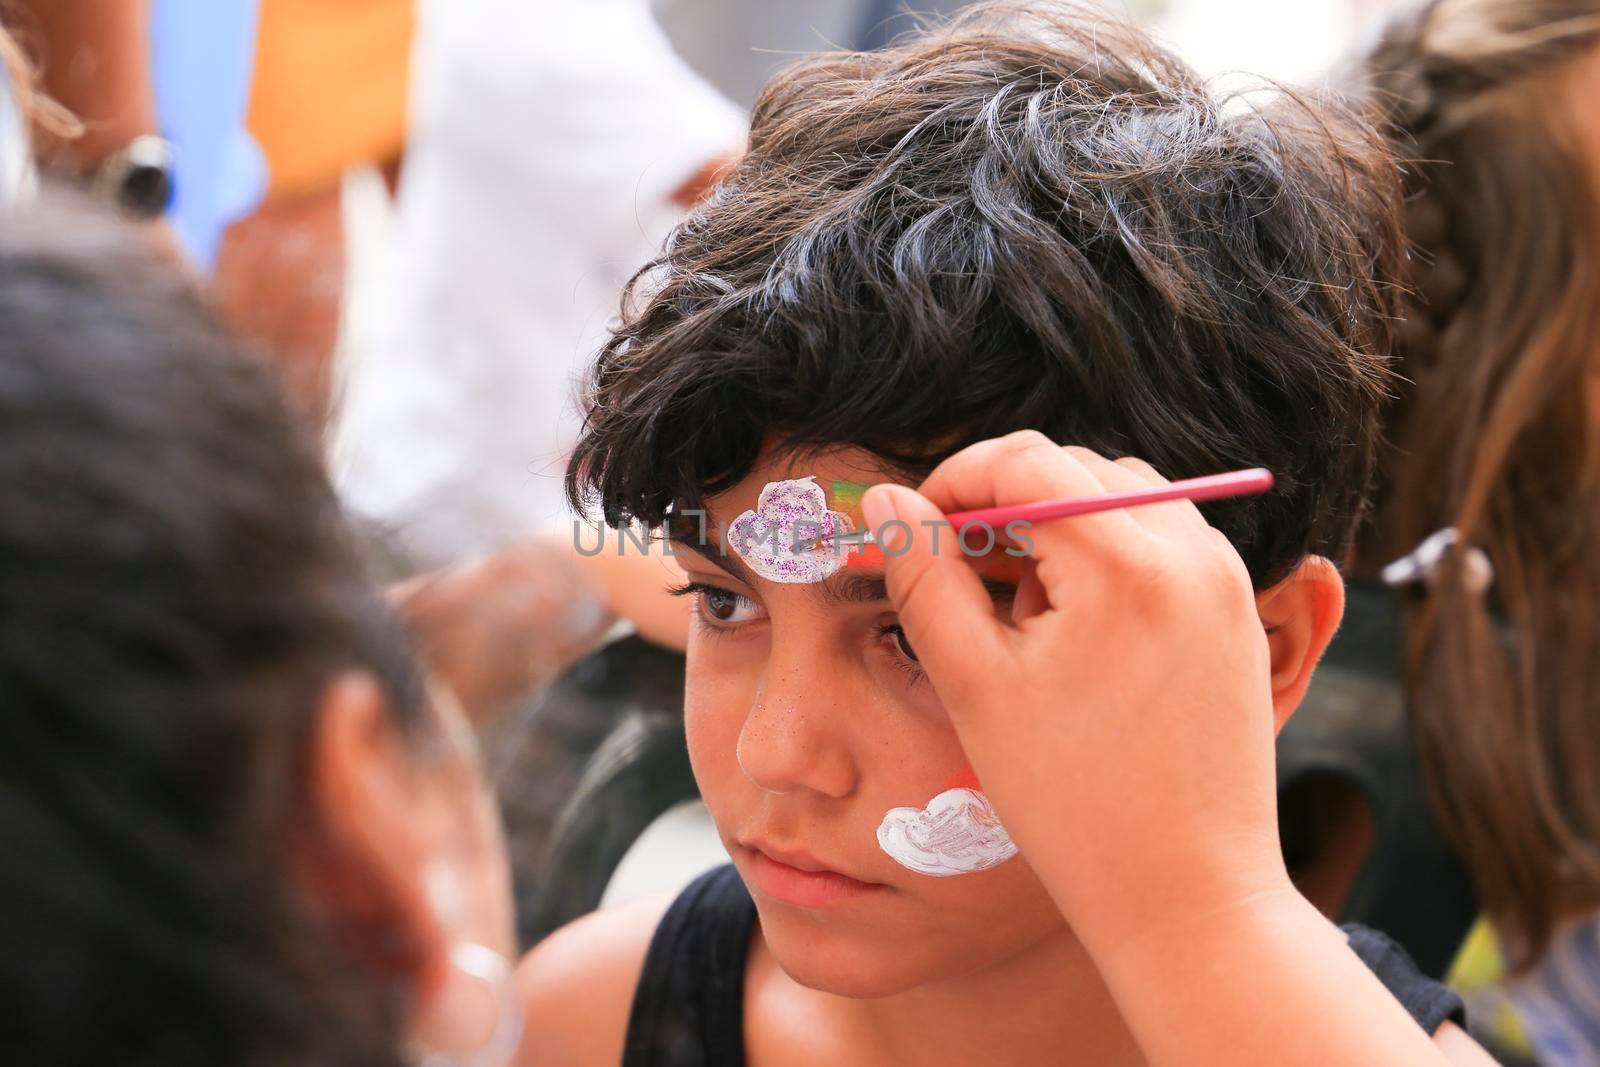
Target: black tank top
(689, 1008)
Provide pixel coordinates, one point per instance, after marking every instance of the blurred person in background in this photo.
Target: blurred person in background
(551, 147)
(328, 92)
(328, 95)
(738, 44)
(236, 122)
(238, 826)
(158, 89)
(1497, 443)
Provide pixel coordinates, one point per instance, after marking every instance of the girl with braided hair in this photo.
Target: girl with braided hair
(1495, 465)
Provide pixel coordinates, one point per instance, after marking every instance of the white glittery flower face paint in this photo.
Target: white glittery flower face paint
(782, 539)
(957, 833)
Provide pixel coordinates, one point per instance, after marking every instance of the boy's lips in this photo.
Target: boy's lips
(798, 878)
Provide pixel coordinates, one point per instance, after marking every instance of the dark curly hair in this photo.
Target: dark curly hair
(1029, 217)
(177, 588)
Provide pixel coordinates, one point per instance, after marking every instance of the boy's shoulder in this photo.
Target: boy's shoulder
(577, 985)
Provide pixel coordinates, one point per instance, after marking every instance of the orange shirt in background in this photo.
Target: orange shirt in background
(329, 89)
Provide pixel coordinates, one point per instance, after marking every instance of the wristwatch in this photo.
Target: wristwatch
(137, 177)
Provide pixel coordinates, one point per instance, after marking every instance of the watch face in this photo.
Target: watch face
(140, 177)
(146, 190)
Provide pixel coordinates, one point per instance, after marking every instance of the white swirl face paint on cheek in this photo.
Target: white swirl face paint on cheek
(783, 537)
(957, 833)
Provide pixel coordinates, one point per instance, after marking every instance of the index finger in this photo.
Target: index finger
(1126, 473)
(964, 481)
(1025, 468)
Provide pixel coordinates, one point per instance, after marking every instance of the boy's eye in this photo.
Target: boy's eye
(727, 607)
(901, 642)
(720, 609)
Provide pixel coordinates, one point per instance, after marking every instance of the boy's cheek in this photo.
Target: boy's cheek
(714, 709)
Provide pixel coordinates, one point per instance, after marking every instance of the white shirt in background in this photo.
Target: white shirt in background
(546, 142)
(18, 179)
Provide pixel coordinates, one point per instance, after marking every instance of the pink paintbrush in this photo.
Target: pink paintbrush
(1210, 487)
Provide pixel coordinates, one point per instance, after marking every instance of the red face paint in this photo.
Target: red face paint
(996, 565)
(965, 778)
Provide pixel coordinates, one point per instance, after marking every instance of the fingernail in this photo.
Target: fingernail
(877, 507)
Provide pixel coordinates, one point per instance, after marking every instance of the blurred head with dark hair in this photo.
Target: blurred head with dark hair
(236, 827)
(1031, 218)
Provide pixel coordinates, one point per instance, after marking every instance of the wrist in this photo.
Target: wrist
(1212, 934)
(1135, 908)
(1267, 979)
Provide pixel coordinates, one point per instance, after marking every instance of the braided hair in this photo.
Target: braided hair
(1496, 432)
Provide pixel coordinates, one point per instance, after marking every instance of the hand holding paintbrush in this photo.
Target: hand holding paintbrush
(1122, 721)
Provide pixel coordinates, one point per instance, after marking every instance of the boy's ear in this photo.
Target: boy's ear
(1301, 614)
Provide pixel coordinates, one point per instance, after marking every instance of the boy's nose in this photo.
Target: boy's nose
(793, 740)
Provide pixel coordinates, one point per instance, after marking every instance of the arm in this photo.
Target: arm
(636, 584)
(1460, 1049)
(1269, 981)
(94, 59)
(506, 626)
(577, 986)
(1145, 798)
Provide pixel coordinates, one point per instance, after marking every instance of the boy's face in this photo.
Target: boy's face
(807, 721)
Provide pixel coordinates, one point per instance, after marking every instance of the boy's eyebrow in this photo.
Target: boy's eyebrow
(843, 588)
(847, 588)
(726, 561)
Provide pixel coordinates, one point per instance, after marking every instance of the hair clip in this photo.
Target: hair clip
(1422, 563)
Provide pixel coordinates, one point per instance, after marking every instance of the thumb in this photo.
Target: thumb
(947, 614)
